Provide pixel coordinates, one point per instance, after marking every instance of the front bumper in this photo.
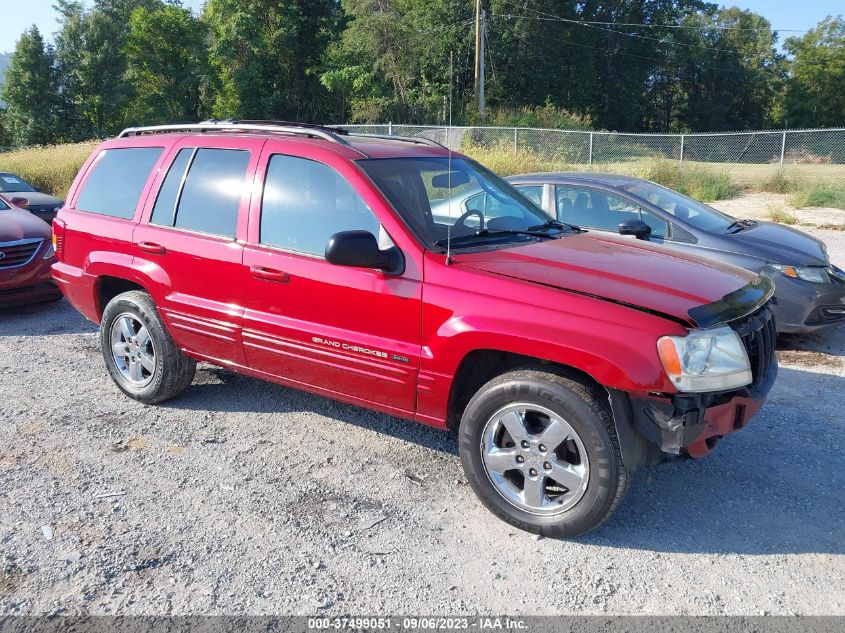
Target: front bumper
(803, 306)
(28, 284)
(692, 423)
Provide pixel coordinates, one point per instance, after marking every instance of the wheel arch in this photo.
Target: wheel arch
(479, 366)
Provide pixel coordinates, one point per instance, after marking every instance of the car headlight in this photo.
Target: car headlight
(51, 250)
(810, 273)
(705, 360)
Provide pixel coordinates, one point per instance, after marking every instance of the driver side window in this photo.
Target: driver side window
(306, 202)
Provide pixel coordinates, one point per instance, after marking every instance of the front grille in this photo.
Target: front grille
(759, 335)
(19, 253)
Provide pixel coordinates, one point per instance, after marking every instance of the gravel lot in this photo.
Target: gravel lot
(246, 497)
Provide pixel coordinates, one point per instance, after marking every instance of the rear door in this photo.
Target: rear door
(348, 332)
(191, 242)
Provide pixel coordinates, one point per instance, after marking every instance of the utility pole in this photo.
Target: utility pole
(480, 27)
(481, 62)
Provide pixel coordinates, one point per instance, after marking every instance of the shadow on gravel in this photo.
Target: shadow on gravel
(221, 390)
(43, 319)
(773, 488)
(829, 341)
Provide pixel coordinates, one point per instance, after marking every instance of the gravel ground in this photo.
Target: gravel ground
(242, 497)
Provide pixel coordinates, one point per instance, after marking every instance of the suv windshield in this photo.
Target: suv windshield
(690, 211)
(437, 196)
(9, 183)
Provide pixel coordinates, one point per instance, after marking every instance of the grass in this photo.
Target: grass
(50, 168)
(819, 195)
(696, 182)
(776, 213)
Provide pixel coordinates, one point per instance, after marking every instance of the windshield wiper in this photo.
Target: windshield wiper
(491, 233)
(739, 225)
(554, 224)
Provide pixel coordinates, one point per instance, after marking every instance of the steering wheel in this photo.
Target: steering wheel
(462, 220)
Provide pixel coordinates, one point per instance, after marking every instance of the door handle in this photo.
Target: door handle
(269, 274)
(152, 247)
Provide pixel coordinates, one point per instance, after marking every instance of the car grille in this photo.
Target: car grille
(759, 335)
(19, 253)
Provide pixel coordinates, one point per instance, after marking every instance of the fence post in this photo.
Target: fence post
(515, 149)
(782, 150)
(682, 149)
(390, 128)
(590, 156)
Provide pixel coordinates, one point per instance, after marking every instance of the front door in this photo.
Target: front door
(347, 332)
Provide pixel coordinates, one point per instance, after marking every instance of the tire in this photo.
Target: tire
(535, 401)
(160, 370)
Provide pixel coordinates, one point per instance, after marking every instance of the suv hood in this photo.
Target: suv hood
(620, 270)
(778, 244)
(18, 224)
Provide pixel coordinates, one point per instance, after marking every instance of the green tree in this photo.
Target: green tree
(816, 89)
(29, 91)
(166, 51)
(266, 54)
(393, 60)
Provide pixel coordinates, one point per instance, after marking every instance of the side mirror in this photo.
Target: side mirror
(360, 250)
(23, 203)
(637, 228)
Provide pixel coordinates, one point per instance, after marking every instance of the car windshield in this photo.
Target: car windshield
(457, 198)
(686, 209)
(9, 183)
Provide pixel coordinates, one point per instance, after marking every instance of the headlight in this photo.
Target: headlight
(705, 360)
(813, 274)
(51, 250)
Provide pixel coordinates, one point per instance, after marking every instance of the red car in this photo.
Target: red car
(565, 360)
(26, 255)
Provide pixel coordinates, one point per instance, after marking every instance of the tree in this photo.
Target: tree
(266, 54)
(816, 89)
(166, 51)
(90, 51)
(393, 60)
(29, 91)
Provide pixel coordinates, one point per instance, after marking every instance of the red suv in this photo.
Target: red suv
(566, 360)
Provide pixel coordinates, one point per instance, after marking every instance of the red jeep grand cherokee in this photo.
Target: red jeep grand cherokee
(310, 257)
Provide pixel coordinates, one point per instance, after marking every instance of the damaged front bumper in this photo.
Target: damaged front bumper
(692, 423)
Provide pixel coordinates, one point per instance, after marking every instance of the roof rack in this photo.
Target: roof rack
(216, 125)
(419, 140)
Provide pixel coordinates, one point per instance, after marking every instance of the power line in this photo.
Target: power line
(551, 16)
(554, 18)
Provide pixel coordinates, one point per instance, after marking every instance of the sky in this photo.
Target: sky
(18, 15)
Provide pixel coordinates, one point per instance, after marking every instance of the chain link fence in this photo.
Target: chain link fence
(746, 156)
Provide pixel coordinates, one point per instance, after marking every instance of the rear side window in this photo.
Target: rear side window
(208, 198)
(117, 180)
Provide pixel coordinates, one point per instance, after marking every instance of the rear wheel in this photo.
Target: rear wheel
(141, 356)
(540, 451)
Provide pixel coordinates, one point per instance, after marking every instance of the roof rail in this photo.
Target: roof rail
(419, 140)
(216, 125)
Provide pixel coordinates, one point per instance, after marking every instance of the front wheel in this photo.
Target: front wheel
(141, 356)
(540, 451)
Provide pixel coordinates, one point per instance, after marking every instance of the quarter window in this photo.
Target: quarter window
(532, 192)
(208, 197)
(114, 186)
(306, 202)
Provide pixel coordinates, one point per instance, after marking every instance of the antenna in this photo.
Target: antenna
(449, 166)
